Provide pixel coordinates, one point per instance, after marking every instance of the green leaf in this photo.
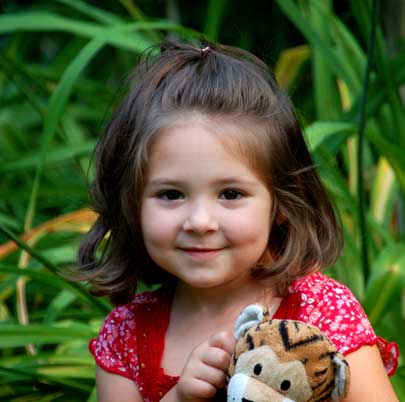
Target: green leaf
(349, 50)
(58, 154)
(337, 65)
(318, 132)
(77, 288)
(57, 103)
(93, 396)
(43, 22)
(289, 63)
(384, 193)
(386, 281)
(392, 152)
(58, 304)
(40, 276)
(7, 374)
(121, 36)
(214, 17)
(93, 12)
(362, 11)
(21, 335)
(325, 91)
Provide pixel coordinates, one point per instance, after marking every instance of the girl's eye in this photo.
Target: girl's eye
(231, 194)
(170, 195)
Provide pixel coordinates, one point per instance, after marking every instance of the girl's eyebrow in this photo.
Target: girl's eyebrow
(219, 181)
(163, 181)
(234, 180)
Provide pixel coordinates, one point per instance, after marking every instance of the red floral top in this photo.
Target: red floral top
(131, 339)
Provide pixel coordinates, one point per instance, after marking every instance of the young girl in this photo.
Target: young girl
(204, 184)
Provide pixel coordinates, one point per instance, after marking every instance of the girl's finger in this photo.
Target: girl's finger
(223, 340)
(198, 389)
(216, 357)
(214, 376)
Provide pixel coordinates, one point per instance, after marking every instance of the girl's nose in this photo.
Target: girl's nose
(200, 219)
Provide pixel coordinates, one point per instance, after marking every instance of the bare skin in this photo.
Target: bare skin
(368, 379)
(196, 316)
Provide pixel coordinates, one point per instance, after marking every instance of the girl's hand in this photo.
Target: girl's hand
(206, 368)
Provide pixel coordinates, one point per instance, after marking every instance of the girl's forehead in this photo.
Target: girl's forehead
(240, 135)
(239, 139)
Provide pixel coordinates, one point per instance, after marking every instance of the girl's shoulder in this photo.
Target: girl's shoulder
(127, 313)
(318, 284)
(332, 307)
(116, 349)
(323, 298)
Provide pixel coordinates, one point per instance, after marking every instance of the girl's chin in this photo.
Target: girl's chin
(202, 284)
(214, 284)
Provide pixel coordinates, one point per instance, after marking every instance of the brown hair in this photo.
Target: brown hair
(219, 81)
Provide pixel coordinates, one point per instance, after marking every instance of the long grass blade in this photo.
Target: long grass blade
(360, 153)
(20, 335)
(32, 376)
(44, 278)
(384, 193)
(76, 287)
(336, 64)
(319, 132)
(214, 17)
(121, 36)
(324, 83)
(55, 109)
(61, 154)
(91, 11)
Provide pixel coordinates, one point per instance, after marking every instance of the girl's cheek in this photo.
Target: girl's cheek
(157, 222)
(250, 222)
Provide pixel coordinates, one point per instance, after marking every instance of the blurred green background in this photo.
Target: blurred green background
(64, 65)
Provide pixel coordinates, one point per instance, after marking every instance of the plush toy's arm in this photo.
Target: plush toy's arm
(247, 389)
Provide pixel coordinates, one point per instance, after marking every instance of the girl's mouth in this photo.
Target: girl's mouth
(201, 253)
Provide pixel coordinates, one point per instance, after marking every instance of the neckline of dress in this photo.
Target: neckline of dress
(169, 295)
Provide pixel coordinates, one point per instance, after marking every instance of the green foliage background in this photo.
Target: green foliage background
(63, 66)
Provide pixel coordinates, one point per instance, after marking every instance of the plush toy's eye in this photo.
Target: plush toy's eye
(257, 369)
(285, 385)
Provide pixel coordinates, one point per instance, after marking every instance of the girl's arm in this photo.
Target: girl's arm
(368, 382)
(115, 388)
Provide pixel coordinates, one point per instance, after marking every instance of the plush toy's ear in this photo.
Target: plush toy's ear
(249, 317)
(342, 378)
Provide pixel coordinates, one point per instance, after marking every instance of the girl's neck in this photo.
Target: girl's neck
(214, 301)
(196, 314)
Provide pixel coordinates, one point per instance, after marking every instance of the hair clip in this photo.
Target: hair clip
(205, 51)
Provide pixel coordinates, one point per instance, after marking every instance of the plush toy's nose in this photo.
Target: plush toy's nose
(242, 388)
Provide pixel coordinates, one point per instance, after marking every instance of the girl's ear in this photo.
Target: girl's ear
(280, 219)
(342, 377)
(249, 317)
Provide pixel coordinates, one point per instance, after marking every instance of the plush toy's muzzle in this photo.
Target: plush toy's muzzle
(243, 388)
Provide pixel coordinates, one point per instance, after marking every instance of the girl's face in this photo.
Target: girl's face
(205, 214)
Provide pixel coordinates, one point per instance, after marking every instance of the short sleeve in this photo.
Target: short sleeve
(332, 307)
(114, 349)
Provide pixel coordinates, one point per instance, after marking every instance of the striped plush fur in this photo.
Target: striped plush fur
(292, 358)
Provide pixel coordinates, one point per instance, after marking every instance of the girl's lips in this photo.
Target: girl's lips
(201, 253)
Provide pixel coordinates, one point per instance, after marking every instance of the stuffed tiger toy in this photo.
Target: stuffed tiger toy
(284, 361)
